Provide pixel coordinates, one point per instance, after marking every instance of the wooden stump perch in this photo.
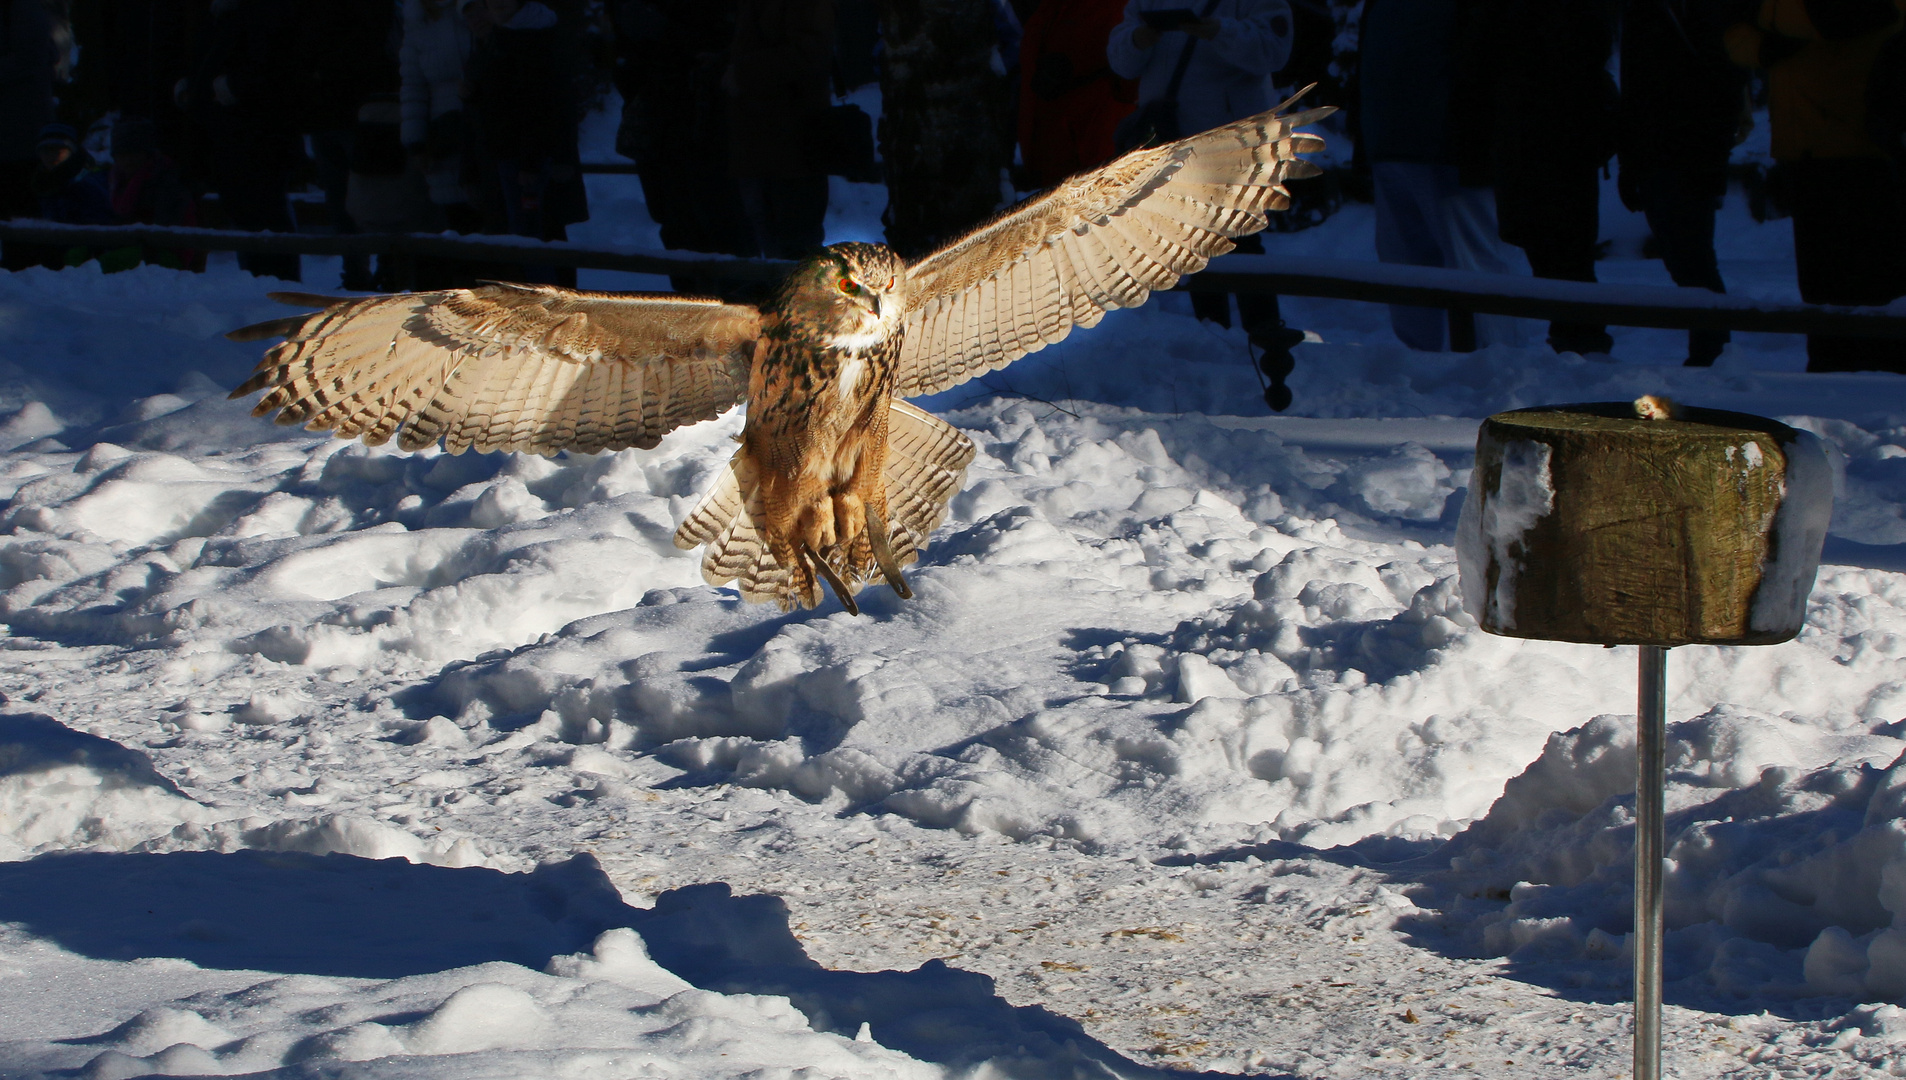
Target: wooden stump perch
(1636, 523)
(1586, 523)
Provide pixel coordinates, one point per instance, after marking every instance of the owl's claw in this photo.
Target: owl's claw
(834, 582)
(883, 554)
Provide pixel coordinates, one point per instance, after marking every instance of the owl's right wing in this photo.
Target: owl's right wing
(1101, 240)
(505, 367)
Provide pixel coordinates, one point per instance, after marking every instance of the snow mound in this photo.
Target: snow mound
(1267, 680)
(1786, 849)
(65, 790)
(343, 556)
(609, 1011)
(62, 789)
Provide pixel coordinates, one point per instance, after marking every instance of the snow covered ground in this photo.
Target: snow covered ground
(317, 760)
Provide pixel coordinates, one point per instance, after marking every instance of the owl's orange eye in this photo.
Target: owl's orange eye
(892, 281)
(847, 286)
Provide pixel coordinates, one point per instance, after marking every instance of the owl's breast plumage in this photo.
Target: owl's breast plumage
(809, 399)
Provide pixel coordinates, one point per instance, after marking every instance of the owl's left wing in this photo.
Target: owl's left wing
(1099, 241)
(505, 367)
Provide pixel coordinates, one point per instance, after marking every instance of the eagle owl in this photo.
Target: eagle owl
(837, 479)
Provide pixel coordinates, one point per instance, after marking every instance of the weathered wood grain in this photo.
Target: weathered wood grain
(1659, 533)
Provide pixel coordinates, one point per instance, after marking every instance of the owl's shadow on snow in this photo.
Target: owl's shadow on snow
(337, 915)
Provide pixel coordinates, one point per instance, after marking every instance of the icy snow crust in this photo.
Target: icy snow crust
(1800, 526)
(1490, 530)
(1186, 753)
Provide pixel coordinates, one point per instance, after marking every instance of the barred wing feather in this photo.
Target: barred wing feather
(505, 367)
(1099, 241)
(926, 464)
(725, 522)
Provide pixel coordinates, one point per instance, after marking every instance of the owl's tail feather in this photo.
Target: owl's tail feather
(725, 520)
(926, 463)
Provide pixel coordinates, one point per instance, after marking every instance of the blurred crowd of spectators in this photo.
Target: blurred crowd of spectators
(1482, 125)
(1487, 120)
(414, 115)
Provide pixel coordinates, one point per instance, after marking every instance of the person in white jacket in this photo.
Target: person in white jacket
(1235, 46)
(436, 46)
(1240, 44)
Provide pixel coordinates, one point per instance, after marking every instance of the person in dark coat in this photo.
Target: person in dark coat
(147, 48)
(1847, 198)
(1431, 174)
(144, 182)
(245, 94)
(1682, 103)
(670, 57)
(433, 130)
(347, 56)
(146, 189)
(1555, 130)
(26, 105)
(779, 78)
(525, 103)
(71, 190)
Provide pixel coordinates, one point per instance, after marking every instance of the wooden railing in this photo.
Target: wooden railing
(1288, 275)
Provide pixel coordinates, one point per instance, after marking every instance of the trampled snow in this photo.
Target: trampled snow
(322, 760)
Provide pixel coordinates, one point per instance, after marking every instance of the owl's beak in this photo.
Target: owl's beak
(875, 297)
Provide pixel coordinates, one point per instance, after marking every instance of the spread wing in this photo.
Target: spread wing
(1099, 241)
(505, 367)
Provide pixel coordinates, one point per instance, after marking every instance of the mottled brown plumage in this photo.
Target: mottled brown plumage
(836, 479)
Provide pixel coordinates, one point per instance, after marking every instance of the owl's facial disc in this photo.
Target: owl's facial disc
(860, 295)
(863, 316)
(854, 295)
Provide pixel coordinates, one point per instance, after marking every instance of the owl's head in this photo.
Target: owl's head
(854, 294)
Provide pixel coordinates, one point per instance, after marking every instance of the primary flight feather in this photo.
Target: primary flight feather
(836, 479)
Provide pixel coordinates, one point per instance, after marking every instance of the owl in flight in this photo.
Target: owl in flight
(837, 479)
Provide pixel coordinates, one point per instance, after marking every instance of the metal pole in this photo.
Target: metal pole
(1650, 848)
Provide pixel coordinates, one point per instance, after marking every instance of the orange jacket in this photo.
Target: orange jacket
(1817, 95)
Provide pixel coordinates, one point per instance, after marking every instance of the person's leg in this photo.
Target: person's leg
(1470, 216)
(788, 213)
(1410, 231)
(800, 215)
(679, 201)
(1212, 307)
(518, 215)
(1681, 215)
(1577, 211)
(17, 200)
(452, 273)
(755, 209)
(1257, 312)
(1556, 218)
(331, 158)
(1849, 248)
(255, 198)
(520, 187)
(533, 193)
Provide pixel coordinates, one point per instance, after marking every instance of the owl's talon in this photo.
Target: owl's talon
(883, 554)
(834, 582)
